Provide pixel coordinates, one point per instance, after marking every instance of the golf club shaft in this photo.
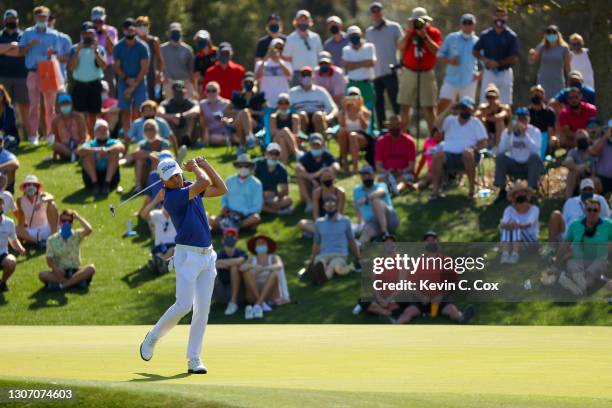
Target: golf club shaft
(137, 194)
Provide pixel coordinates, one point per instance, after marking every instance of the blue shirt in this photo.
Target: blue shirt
(86, 69)
(456, 45)
(333, 235)
(65, 46)
(152, 179)
(136, 132)
(244, 196)
(6, 156)
(498, 46)
(8, 121)
(588, 94)
(130, 57)
(38, 52)
(12, 67)
(335, 48)
(188, 217)
(366, 209)
(101, 163)
(311, 165)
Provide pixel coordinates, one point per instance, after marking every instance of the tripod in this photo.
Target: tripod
(418, 55)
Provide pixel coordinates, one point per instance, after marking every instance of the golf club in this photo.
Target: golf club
(113, 207)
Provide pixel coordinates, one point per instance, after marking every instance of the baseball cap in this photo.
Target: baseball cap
(168, 168)
(249, 75)
(202, 34)
(10, 13)
(467, 102)
(175, 27)
(100, 123)
(87, 27)
(283, 97)
(64, 98)
(165, 154)
(366, 169)
(325, 57)
(273, 147)
(334, 19)
(128, 22)
(274, 16)
(522, 111)
(98, 13)
(231, 230)
(302, 13)
(276, 42)
(315, 138)
(468, 17)
(430, 233)
(353, 90)
(420, 12)
(575, 74)
(353, 30)
(537, 87)
(225, 46)
(178, 84)
(586, 183)
(306, 68)
(376, 4)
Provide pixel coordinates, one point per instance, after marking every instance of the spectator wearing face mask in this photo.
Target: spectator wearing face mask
(163, 233)
(274, 180)
(554, 57)
(225, 72)
(395, 156)
(580, 60)
(8, 262)
(303, 45)
(326, 191)
(336, 41)
(247, 109)
(330, 77)
(69, 128)
(579, 162)
(178, 61)
(274, 29)
(520, 224)
(574, 116)
(273, 73)
(602, 150)
(205, 57)
(36, 213)
(148, 110)
(353, 136)
(106, 36)
(313, 103)
(494, 114)
(285, 129)
(358, 60)
(574, 80)
(181, 112)
(229, 279)
(543, 117)
(152, 142)
(156, 63)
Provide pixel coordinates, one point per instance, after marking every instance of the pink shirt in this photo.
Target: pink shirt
(429, 143)
(577, 120)
(112, 33)
(334, 83)
(395, 153)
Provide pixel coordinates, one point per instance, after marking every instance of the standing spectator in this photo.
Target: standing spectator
(8, 165)
(69, 128)
(8, 119)
(574, 116)
(107, 37)
(326, 190)
(65, 45)
(395, 156)
(142, 156)
(181, 112)
(273, 73)
(101, 159)
(313, 103)
(178, 61)
(110, 107)
(330, 77)
(580, 60)
(520, 223)
(8, 263)
(12, 67)
(285, 129)
(274, 29)
(494, 114)
(543, 117)
(156, 62)
(131, 64)
(64, 255)
(384, 35)
(359, 59)
(337, 41)
(163, 232)
(205, 57)
(462, 67)
(148, 110)
(519, 154)
(574, 80)
(36, 212)
(247, 109)
(579, 162)
(229, 261)
(554, 57)
(419, 47)
(38, 43)
(225, 72)
(353, 136)
(602, 149)
(498, 49)
(274, 180)
(302, 46)
(213, 123)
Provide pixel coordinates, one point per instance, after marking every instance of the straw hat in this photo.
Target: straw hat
(30, 179)
(519, 187)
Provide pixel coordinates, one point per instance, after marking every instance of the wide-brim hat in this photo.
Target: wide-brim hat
(30, 179)
(244, 158)
(269, 241)
(520, 187)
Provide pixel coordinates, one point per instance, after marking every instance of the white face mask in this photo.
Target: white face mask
(244, 172)
(142, 30)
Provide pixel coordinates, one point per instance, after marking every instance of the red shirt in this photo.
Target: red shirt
(578, 119)
(230, 78)
(395, 153)
(428, 60)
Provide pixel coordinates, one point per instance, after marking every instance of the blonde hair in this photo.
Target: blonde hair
(577, 37)
(41, 10)
(143, 20)
(560, 41)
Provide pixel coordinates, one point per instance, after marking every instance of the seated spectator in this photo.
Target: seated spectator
(242, 204)
(520, 224)
(573, 209)
(326, 190)
(214, 124)
(333, 236)
(464, 136)
(101, 160)
(64, 255)
(181, 112)
(354, 120)
(148, 110)
(69, 128)
(374, 207)
(229, 280)
(574, 80)
(313, 103)
(544, 118)
(273, 73)
(310, 167)
(247, 111)
(8, 164)
(264, 277)
(579, 162)
(518, 154)
(274, 180)
(494, 114)
(330, 77)
(574, 116)
(152, 179)
(285, 129)
(431, 146)
(36, 212)
(7, 197)
(8, 119)
(225, 72)
(163, 232)
(8, 262)
(602, 150)
(142, 156)
(395, 156)
(110, 107)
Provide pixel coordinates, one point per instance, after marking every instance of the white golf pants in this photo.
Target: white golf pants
(504, 81)
(195, 280)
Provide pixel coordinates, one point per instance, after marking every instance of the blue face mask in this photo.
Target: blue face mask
(66, 109)
(324, 69)
(41, 24)
(202, 43)
(552, 38)
(175, 36)
(261, 249)
(303, 26)
(224, 58)
(587, 195)
(274, 28)
(230, 241)
(272, 162)
(66, 230)
(355, 39)
(283, 111)
(316, 152)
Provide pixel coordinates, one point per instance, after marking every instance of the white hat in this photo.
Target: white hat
(586, 183)
(353, 30)
(202, 34)
(334, 19)
(273, 147)
(353, 89)
(420, 12)
(276, 41)
(301, 13)
(168, 168)
(100, 123)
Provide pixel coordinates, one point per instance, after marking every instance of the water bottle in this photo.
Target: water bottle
(157, 91)
(129, 229)
(72, 151)
(527, 284)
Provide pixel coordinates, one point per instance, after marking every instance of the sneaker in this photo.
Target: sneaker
(505, 257)
(106, 188)
(514, 257)
(3, 287)
(248, 312)
(231, 309)
(569, 284)
(195, 366)
(51, 139)
(266, 307)
(357, 266)
(285, 211)
(182, 153)
(33, 140)
(96, 189)
(467, 314)
(147, 347)
(257, 312)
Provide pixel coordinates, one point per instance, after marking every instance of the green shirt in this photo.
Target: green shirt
(580, 242)
(65, 253)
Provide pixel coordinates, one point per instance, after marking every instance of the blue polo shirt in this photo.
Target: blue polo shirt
(6, 156)
(12, 67)
(188, 217)
(37, 53)
(130, 57)
(498, 46)
(456, 45)
(367, 213)
(101, 162)
(136, 131)
(588, 94)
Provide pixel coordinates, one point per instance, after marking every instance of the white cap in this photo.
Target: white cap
(202, 34)
(586, 183)
(353, 30)
(301, 13)
(99, 123)
(276, 41)
(273, 147)
(353, 89)
(334, 19)
(168, 168)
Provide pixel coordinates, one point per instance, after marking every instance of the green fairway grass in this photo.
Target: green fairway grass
(124, 291)
(319, 365)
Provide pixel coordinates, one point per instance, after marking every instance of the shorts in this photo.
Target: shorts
(69, 272)
(2, 257)
(337, 262)
(454, 93)
(606, 184)
(426, 308)
(86, 96)
(101, 174)
(138, 96)
(408, 88)
(504, 81)
(392, 222)
(41, 233)
(17, 88)
(454, 161)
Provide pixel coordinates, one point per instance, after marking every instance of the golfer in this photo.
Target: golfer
(194, 258)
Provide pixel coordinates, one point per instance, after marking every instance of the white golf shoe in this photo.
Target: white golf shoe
(195, 366)
(248, 312)
(147, 347)
(505, 257)
(231, 309)
(258, 312)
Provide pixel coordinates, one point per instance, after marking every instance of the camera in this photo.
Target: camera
(87, 41)
(418, 23)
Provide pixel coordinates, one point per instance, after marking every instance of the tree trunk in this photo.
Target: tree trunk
(600, 50)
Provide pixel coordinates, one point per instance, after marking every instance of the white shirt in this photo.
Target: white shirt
(316, 99)
(7, 232)
(301, 56)
(367, 52)
(573, 209)
(458, 137)
(9, 203)
(160, 222)
(582, 63)
(531, 217)
(274, 81)
(521, 147)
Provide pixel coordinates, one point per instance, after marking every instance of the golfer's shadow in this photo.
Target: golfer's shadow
(140, 276)
(43, 298)
(82, 196)
(147, 377)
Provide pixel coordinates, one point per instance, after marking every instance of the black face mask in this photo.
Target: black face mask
(130, 36)
(248, 86)
(431, 247)
(465, 115)
(582, 144)
(327, 183)
(11, 25)
(574, 106)
(575, 84)
(334, 29)
(148, 116)
(521, 199)
(536, 99)
(331, 213)
(368, 183)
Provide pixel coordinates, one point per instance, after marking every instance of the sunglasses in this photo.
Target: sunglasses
(149, 129)
(375, 10)
(30, 184)
(274, 153)
(467, 22)
(592, 210)
(243, 166)
(211, 90)
(576, 44)
(551, 32)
